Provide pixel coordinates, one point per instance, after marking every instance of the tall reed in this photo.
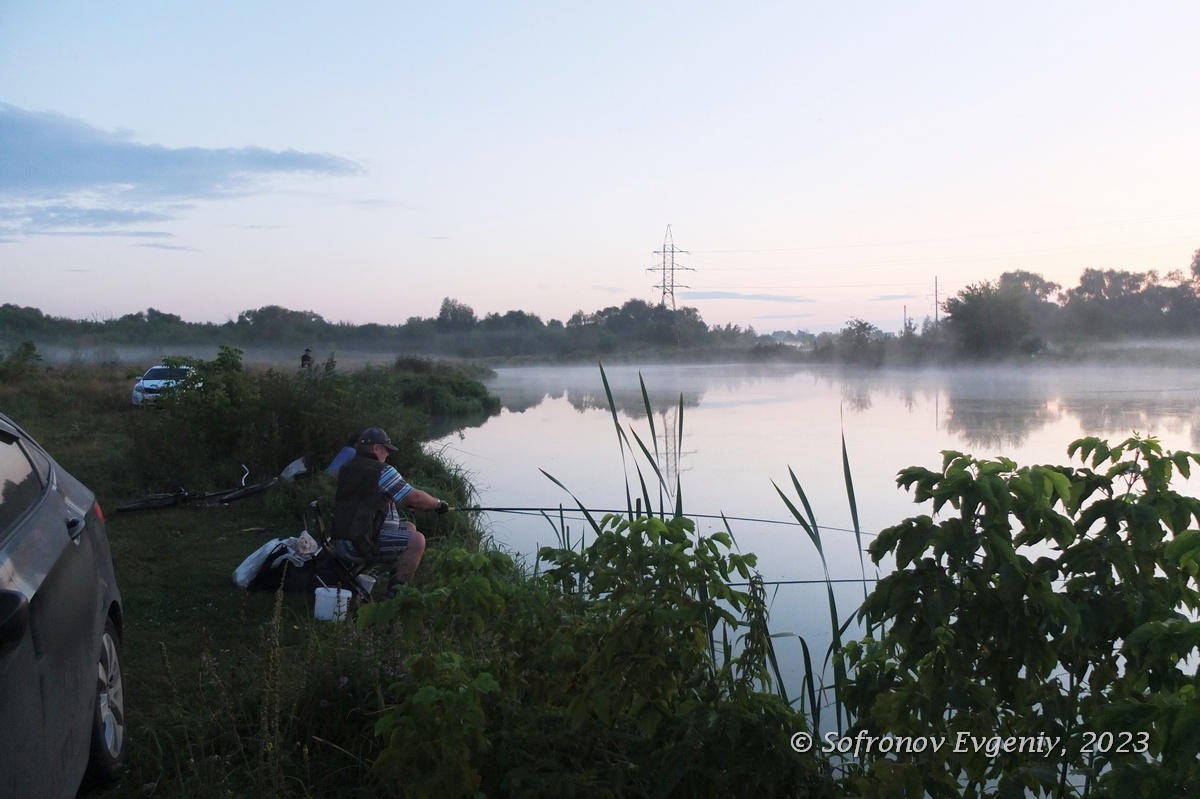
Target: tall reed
(654, 492)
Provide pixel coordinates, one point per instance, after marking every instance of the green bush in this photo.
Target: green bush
(600, 677)
(19, 363)
(225, 415)
(1049, 601)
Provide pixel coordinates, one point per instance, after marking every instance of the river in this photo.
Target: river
(746, 429)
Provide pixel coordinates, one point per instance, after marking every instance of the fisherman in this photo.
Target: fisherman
(366, 523)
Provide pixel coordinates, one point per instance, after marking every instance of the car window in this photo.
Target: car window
(41, 463)
(19, 483)
(165, 373)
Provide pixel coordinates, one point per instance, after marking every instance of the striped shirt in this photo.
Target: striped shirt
(394, 486)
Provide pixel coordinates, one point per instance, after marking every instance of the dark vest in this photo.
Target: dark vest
(359, 506)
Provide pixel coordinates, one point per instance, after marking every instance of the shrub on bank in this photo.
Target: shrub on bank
(226, 415)
(1048, 603)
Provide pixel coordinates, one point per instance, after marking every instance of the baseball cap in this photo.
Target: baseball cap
(375, 435)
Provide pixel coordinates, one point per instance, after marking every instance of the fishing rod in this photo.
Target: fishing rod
(822, 581)
(543, 511)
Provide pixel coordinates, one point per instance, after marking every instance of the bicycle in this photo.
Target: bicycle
(181, 496)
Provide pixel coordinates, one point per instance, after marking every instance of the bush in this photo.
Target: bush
(599, 678)
(225, 415)
(19, 363)
(1053, 601)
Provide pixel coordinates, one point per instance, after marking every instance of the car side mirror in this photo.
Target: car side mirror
(14, 620)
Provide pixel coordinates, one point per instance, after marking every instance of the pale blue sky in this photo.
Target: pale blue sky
(364, 160)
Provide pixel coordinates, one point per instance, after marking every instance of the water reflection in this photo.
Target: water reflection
(856, 397)
(992, 425)
(522, 397)
(1007, 408)
(523, 389)
(443, 426)
(983, 407)
(745, 427)
(1122, 411)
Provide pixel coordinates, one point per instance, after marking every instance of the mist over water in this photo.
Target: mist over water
(745, 427)
(142, 356)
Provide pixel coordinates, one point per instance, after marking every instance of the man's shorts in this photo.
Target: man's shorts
(393, 540)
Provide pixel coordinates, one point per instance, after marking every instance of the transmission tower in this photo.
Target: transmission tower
(668, 269)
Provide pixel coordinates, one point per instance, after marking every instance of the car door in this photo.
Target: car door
(48, 637)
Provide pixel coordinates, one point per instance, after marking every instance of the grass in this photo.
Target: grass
(197, 648)
(218, 681)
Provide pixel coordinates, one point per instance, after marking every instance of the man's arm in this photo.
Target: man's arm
(420, 500)
(402, 493)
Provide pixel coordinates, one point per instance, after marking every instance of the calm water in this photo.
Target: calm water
(744, 427)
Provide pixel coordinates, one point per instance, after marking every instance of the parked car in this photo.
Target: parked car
(158, 379)
(62, 700)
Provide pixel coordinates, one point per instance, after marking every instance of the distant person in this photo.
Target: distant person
(306, 360)
(366, 523)
(344, 454)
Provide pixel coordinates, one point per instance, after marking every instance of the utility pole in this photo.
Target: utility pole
(668, 269)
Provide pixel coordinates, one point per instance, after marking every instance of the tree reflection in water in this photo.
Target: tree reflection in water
(988, 424)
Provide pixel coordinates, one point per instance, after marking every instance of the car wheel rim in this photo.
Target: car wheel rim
(111, 694)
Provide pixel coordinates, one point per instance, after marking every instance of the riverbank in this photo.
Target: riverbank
(481, 677)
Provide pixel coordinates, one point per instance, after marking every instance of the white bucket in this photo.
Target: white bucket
(332, 604)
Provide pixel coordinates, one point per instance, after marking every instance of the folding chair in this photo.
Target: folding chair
(336, 566)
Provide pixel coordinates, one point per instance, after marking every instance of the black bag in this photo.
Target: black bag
(298, 579)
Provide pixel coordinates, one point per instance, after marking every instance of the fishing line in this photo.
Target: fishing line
(564, 512)
(577, 514)
(814, 582)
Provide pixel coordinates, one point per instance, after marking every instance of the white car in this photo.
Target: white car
(157, 380)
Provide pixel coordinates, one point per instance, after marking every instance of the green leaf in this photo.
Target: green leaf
(485, 683)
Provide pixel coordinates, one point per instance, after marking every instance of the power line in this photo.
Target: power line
(965, 237)
(1081, 249)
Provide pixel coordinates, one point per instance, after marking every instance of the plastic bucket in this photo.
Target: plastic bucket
(332, 604)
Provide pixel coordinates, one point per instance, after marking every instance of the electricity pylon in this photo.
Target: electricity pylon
(668, 269)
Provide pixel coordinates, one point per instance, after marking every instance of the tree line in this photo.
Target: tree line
(1020, 314)
(636, 327)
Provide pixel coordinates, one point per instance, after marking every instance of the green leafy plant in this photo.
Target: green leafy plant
(1051, 603)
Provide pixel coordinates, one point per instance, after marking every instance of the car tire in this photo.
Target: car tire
(110, 735)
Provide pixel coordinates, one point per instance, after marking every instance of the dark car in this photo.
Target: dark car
(62, 706)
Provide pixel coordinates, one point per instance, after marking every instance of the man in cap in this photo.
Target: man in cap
(366, 524)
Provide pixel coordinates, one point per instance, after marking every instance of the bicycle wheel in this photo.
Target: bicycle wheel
(241, 493)
(153, 502)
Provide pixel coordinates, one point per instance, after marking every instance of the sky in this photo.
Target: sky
(814, 161)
